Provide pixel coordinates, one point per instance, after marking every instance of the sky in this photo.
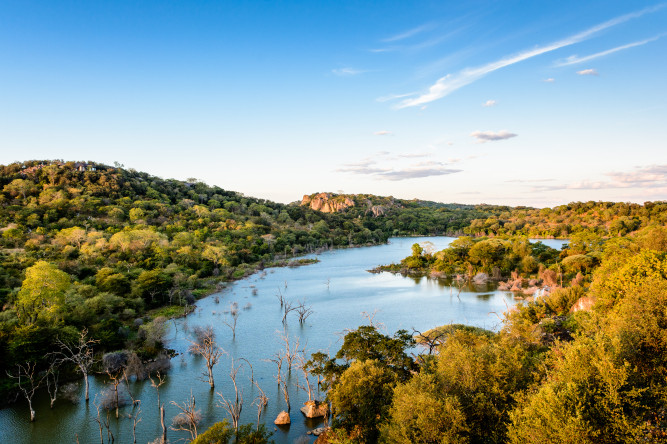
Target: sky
(500, 102)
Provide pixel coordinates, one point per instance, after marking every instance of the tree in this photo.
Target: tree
(42, 293)
(189, 417)
(233, 407)
(27, 382)
(361, 399)
(79, 353)
(20, 186)
(421, 412)
(205, 346)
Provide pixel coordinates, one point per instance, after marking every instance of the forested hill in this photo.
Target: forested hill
(120, 248)
(118, 245)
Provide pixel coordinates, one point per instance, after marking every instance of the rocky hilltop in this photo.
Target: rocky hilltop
(364, 203)
(327, 202)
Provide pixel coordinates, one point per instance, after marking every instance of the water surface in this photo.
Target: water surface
(338, 289)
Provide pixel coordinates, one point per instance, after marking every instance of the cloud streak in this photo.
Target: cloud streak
(452, 82)
(409, 33)
(573, 60)
(383, 133)
(653, 176)
(347, 72)
(490, 136)
(369, 167)
(489, 103)
(588, 72)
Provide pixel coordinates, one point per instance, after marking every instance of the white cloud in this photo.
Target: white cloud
(588, 72)
(576, 59)
(394, 97)
(549, 80)
(409, 33)
(452, 82)
(489, 136)
(347, 72)
(489, 103)
(653, 176)
(383, 133)
(416, 173)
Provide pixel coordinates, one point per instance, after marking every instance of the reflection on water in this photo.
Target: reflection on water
(338, 289)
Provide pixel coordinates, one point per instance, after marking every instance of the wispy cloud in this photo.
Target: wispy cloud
(489, 103)
(370, 166)
(383, 133)
(490, 136)
(452, 82)
(416, 173)
(409, 33)
(588, 72)
(413, 155)
(549, 80)
(653, 176)
(347, 72)
(572, 60)
(394, 97)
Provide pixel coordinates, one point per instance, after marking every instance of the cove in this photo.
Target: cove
(338, 289)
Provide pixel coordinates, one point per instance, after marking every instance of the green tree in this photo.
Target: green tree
(42, 293)
(361, 399)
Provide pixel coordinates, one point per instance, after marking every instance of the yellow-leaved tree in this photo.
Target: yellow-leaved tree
(42, 293)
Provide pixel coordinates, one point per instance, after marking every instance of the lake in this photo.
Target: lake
(339, 291)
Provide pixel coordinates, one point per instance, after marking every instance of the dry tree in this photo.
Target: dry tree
(261, 401)
(205, 346)
(27, 382)
(189, 417)
(303, 311)
(233, 406)
(233, 318)
(79, 353)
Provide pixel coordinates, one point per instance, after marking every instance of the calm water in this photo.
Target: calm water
(339, 290)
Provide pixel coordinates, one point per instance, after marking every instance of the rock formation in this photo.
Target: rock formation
(327, 203)
(315, 409)
(282, 419)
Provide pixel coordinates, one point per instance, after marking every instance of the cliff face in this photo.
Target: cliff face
(327, 203)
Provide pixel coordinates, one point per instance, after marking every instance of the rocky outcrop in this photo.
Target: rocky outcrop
(327, 203)
(282, 419)
(583, 304)
(377, 210)
(315, 409)
(480, 278)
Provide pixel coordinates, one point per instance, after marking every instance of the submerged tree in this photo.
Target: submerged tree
(79, 353)
(205, 346)
(27, 382)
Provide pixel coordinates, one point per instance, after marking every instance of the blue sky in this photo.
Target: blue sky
(521, 103)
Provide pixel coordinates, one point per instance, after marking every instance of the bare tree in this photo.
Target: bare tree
(52, 375)
(27, 382)
(291, 351)
(233, 317)
(284, 389)
(136, 419)
(287, 308)
(189, 417)
(205, 346)
(252, 372)
(281, 298)
(261, 401)
(431, 339)
(80, 354)
(115, 378)
(235, 406)
(278, 359)
(103, 423)
(160, 406)
(306, 375)
(303, 311)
